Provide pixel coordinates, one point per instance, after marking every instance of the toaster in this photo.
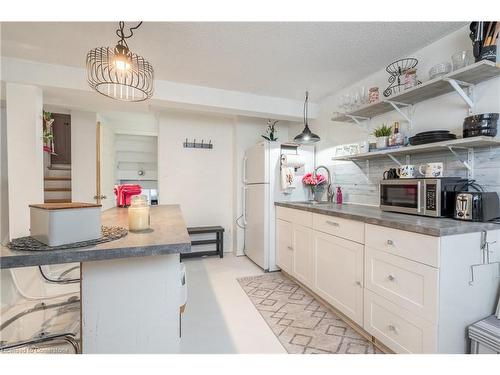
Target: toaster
(476, 206)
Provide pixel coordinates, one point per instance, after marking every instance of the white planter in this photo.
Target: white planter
(382, 142)
(60, 224)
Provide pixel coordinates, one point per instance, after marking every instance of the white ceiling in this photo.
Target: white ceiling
(275, 59)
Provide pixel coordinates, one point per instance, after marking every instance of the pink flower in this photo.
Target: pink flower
(311, 180)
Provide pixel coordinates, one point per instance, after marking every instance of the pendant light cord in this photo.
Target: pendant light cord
(305, 107)
(121, 34)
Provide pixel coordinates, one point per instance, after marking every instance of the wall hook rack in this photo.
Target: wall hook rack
(195, 144)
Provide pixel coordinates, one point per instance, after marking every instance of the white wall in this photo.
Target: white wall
(24, 153)
(83, 156)
(446, 112)
(201, 181)
(134, 153)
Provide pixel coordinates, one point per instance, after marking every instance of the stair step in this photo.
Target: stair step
(57, 178)
(57, 200)
(59, 167)
(57, 189)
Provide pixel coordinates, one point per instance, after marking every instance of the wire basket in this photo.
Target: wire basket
(396, 71)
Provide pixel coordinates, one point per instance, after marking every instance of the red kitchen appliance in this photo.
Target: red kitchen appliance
(125, 192)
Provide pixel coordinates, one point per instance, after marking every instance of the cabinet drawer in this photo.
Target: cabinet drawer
(348, 229)
(409, 284)
(294, 216)
(414, 246)
(398, 328)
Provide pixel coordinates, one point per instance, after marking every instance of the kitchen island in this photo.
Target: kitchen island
(130, 288)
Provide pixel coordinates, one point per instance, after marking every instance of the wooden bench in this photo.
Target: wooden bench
(218, 241)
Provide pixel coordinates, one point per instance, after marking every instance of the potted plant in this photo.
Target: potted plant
(48, 134)
(315, 183)
(271, 130)
(382, 133)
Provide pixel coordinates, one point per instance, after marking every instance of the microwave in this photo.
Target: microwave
(421, 196)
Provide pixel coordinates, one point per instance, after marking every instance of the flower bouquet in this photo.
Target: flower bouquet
(315, 183)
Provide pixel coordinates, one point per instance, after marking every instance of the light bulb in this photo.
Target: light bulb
(121, 63)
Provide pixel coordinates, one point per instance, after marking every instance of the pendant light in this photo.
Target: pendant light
(307, 136)
(119, 73)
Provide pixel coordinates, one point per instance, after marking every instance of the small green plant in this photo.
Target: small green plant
(271, 130)
(382, 131)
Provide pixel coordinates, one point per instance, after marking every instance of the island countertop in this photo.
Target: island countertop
(437, 227)
(168, 236)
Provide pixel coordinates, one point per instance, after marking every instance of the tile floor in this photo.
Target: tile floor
(219, 317)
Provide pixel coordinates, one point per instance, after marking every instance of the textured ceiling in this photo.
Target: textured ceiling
(275, 59)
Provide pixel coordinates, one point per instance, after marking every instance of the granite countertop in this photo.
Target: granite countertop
(168, 236)
(437, 227)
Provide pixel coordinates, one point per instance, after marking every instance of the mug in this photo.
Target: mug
(390, 174)
(406, 171)
(431, 169)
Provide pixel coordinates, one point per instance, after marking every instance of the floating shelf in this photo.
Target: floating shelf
(469, 75)
(464, 143)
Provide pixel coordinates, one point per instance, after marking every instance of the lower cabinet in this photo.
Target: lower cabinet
(338, 273)
(399, 329)
(302, 254)
(284, 249)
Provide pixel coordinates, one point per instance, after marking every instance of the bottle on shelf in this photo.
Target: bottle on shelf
(399, 138)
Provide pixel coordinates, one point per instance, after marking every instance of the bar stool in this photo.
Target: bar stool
(25, 323)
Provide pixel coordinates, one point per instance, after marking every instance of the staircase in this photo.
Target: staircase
(57, 183)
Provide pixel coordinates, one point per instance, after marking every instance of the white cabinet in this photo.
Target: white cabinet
(302, 254)
(338, 273)
(411, 285)
(284, 249)
(399, 329)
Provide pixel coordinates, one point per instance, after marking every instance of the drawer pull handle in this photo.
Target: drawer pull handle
(391, 278)
(333, 223)
(393, 328)
(390, 242)
(289, 248)
(358, 283)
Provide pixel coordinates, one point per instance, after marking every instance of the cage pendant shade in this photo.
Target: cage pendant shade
(118, 75)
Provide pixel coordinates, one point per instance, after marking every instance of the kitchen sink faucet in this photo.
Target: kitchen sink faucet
(329, 189)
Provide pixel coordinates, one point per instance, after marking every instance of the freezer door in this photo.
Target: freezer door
(257, 224)
(256, 169)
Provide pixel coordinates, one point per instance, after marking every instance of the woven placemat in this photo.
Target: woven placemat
(30, 244)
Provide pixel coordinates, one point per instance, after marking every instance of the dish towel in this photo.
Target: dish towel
(287, 177)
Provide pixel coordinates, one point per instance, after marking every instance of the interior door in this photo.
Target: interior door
(107, 172)
(62, 139)
(256, 223)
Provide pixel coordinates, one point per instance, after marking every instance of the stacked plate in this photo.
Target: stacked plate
(431, 137)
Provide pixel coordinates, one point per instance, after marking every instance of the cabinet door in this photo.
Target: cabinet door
(338, 270)
(284, 254)
(302, 254)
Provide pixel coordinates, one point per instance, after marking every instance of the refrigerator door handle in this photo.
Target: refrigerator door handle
(245, 205)
(245, 170)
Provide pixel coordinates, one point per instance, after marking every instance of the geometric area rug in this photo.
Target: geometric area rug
(299, 321)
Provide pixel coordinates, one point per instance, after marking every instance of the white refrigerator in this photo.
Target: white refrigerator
(261, 185)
